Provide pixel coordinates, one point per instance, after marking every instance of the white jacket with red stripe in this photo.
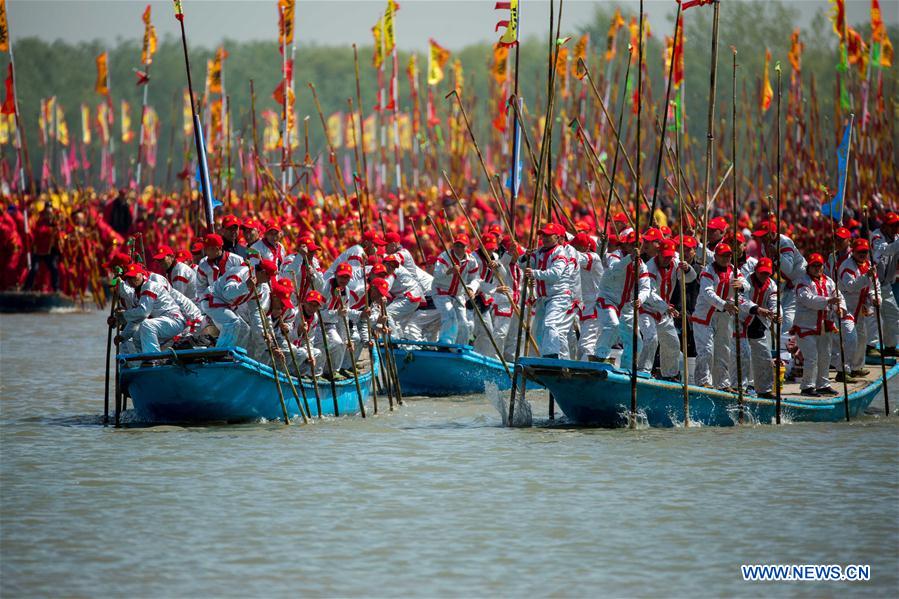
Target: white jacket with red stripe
(355, 257)
(554, 270)
(813, 314)
(616, 289)
(405, 284)
(857, 282)
(886, 254)
(590, 270)
(757, 296)
(276, 253)
(447, 282)
(151, 300)
(183, 278)
(792, 264)
(208, 272)
(663, 281)
(715, 290)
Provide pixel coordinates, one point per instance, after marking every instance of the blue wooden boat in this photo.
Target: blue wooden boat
(599, 394)
(223, 385)
(12, 302)
(439, 369)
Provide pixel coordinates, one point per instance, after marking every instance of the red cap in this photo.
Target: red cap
(213, 240)
(314, 297)
(183, 256)
(860, 244)
(250, 223)
(392, 237)
(582, 239)
(891, 218)
(612, 239)
(723, 249)
(690, 241)
(628, 238)
(764, 265)
(740, 237)
(621, 217)
(196, 247)
(381, 285)
(372, 236)
(378, 269)
(490, 242)
(344, 269)
(669, 248)
(162, 252)
(134, 269)
(762, 230)
(652, 234)
(843, 233)
(552, 229)
(718, 223)
(666, 231)
(119, 259)
(272, 225)
(462, 238)
(582, 226)
(229, 220)
(282, 290)
(393, 258)
(268, 266)
(815, 259)
(853, 224)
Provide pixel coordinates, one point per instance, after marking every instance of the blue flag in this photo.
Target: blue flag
(834, 208)
(513, 180)
(203, 173)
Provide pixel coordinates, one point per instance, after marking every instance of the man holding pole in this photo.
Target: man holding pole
(885, 251)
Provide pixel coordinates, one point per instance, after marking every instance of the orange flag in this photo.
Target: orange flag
(102, 75)
(767, 91)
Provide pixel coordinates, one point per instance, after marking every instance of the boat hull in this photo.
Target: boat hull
(13, 302)
(442, 369)
(224, 385)
(598, 394)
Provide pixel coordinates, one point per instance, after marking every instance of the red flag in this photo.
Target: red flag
(9, 105)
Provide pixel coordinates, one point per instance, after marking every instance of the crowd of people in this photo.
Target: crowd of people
(317, 279)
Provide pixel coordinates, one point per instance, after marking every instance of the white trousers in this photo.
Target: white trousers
(815, 360)
(713, 344)
(661, 336)
(855, 342)
(482, 343)
(400, 311)
(614, 326)
(454, 325)
(589, 321)
(552, 321)
(423, 325)
(233, 330)
(762, 364)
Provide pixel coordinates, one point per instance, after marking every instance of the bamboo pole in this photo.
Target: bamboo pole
(685, 365)
(713, 78)
(636, 255)
(777, 324)
(733, 142)
(331, 372)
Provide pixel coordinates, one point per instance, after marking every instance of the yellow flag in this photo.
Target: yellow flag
(62, 129)
(102, 75)
(510, 35)
(4, 130)
(580, 53)
(103, 121)
(4, 28)
(127, 133)
(377, 33)
(335, 129)
(85, 124)
(404, 124)
(214, 73)
(458, 76)
(350, 131)
(369, 131)
(270, 137)
(286, 22)
(149, 47)
(437, 58)
(151, 123)
(389, 33)
(562, 70)
(616, 24)
(187, 118)
(215, 125)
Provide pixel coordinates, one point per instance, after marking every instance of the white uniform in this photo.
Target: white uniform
(209, 272)
(656, 325)
(616, 308)
(152, 318)
(555, 305)
(856, 284)
(503, 314)
(754, 334)
(305, 273)
(267, 251)
(485, 299)
(183, 278)
(713, 327)
(335, 327)
(812, 327)
(355, 257)
(407, 298)
(450, 297)
(193, 316)
(885, 252)
(591, 269)
(792, 266)
(424, 279)
(230, 304)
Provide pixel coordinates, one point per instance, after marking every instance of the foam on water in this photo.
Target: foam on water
(523, 416)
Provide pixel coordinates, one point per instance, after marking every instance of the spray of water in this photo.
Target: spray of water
(523, 416)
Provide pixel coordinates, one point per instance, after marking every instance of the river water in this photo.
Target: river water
(435, 498)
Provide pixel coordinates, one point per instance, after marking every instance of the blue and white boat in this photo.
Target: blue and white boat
(599, 394)
(225, 385)
(440, 369)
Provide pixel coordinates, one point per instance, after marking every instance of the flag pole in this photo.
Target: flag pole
(736, 242)
(777, 328)
(198, 129)
(516, 134)
(636, 255)
(713, 78)
(655, 189)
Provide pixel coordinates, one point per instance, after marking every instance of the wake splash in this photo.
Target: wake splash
(522, 418)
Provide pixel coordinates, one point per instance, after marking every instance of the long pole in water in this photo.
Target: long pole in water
(321, 323)
(198, 135)
(685, 365)
(636, 255)
(733, 144)
(269, 338)
(112, 325)
(371, 341)
(710, 140)
(777, 325)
